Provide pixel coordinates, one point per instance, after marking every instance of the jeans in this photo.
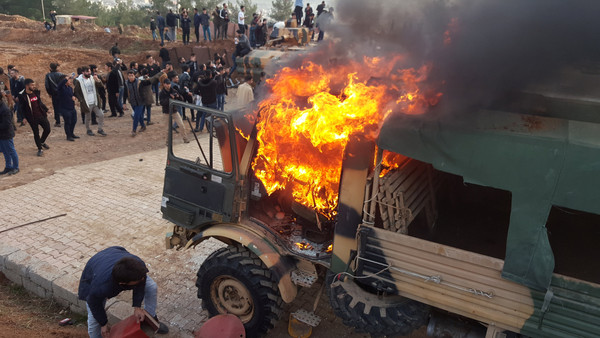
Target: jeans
(150, 296)
(16, 108)
(200, 120)
(113, 103)
(120, 100)
(34, 124)
(221, 102)
(155, 91)
(70, 118)
(197, 32)
(161, 32)
(138, 117)
(148, 112)
(10, 154)
(234, 67)
(153, 35)
(55, 108)
(206, 30)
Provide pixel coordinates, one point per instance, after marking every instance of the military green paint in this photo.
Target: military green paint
(541, 161)
(574, 310)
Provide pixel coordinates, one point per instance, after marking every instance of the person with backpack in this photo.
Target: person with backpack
(51, 84)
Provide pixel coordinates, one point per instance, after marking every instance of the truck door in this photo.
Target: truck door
(201, 174)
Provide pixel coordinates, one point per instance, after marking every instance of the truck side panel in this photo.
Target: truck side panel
(471, 285)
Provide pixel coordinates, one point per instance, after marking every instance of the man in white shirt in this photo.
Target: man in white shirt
(89, 100)
(245, 93)
(241, 19)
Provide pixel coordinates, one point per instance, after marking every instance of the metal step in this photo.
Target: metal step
(304, 278)
(308, 318)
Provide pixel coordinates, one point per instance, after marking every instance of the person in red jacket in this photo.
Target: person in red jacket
(35, 111)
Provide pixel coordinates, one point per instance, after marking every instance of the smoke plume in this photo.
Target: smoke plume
(478, 49)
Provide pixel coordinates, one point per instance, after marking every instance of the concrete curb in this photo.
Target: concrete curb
(44, 281)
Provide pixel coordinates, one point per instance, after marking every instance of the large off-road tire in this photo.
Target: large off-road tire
(234, 280)
(373, 314)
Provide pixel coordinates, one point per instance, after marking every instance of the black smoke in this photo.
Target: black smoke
(495, 46)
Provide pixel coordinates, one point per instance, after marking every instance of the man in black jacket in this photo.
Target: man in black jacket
(113, 83)
(51, 84)
(35, 111)
(108, 273)
(167, 93)
(207, 88)
(7, 133)
(171, 23)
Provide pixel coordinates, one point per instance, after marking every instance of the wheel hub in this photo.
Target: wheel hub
(231, 296)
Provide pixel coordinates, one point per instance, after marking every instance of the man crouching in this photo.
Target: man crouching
(105, 275)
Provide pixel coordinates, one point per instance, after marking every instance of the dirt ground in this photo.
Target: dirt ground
(30, 49)
(23, 315)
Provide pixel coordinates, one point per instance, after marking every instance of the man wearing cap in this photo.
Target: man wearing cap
(35, 111)
(51, 84)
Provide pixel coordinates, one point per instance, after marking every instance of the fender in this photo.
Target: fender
(259, 244)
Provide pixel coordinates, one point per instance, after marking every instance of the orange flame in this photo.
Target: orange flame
(306, 123)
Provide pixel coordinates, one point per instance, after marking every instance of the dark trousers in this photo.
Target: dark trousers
(102, 93)
(242, 28)
(217, 31)
(35, 124)
(224, 28)
(54, 108)
(148, 112)
(70, 118)
(197, 32)
(155, 91)
(298, 12)
(114, 105)
(186, 36)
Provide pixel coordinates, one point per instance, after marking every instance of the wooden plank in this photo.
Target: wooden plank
(400, 240)
(439, 262)
(451, 300)
(463, 276)
(518, 308)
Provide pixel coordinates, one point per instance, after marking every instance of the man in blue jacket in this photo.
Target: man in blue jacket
(108, 273)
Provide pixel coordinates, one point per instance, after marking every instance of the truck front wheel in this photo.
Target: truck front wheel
(234, 280)
(377, 315)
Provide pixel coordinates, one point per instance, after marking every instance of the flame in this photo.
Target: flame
(304, 246)
(390, 161)
(304, 126)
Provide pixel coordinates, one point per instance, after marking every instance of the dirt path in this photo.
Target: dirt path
(24, 315)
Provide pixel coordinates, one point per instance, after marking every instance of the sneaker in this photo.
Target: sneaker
(75, 136)
(149, 123)
(197, 130)
(143, 128)
(90, 133)
(162, 328)
(40, 152)
(5, 171)
(70, 139)
(16, 171)
(121, 115)
(101, 132)
(45, 146)
(133, 134)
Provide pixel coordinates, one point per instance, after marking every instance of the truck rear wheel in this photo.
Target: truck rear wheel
(373, 314)
(234, 280)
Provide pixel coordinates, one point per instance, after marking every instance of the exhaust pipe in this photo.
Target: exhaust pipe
(442, 326)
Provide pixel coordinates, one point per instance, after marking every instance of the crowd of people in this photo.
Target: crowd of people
(220, 17)
(143, 85)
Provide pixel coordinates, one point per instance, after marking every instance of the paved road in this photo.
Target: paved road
(115, 202)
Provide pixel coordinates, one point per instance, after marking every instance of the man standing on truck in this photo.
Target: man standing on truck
(108, 273)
